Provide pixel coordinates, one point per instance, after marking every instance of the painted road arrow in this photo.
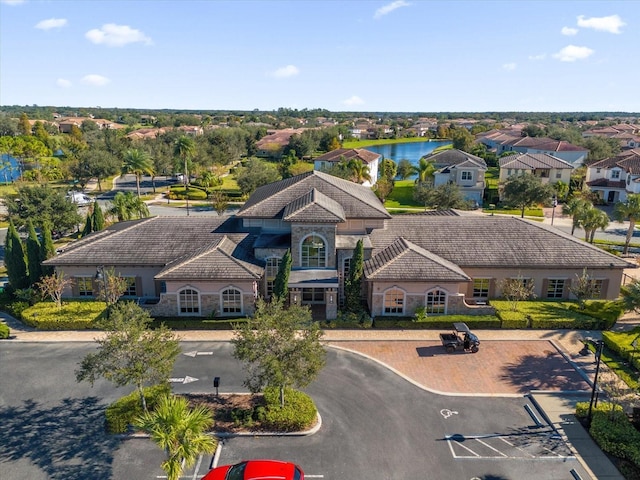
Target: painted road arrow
(193, 354)
(183, 380)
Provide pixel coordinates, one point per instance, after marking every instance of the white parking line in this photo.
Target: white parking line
(489, 446)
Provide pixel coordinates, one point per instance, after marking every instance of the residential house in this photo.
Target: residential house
(507, 141)
(548, 168)
(274, 142)
(447, 263)
(367, 157)
(462, 169)
(616, 177)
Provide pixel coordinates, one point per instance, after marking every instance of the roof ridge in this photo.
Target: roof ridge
(393, 258)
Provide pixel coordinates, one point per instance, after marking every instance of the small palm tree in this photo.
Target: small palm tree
(628, 210)
(591, 220)
(359, 171)
(139, 163)
(576, 207)
(180, 431)
(184, 148)
(425, 171)
(127, 206)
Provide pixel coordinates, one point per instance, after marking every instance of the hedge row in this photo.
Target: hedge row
(121, 413)
(73, 315)
(621, 343)
(195, 323)
(4, 331)
(436, 322)
(612, 430)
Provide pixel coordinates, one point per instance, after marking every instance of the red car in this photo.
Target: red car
(257, 469)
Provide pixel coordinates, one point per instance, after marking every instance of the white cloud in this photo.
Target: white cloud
(284, 72)
(569, 32)
(95, 80)
(12, 2)
(571, 53)
(63, 83)
(353, 100)
(509, 66)
(113, 35)
(51, 23)
(382, 11)
(611, 24)
(540, 56)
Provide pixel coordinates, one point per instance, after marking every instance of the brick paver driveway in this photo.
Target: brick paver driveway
(501, 367)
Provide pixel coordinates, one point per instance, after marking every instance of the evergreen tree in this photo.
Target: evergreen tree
(47, 250)
(88, 227)
(33, 255)
(24, 127)
(281, 283)
(97, 218)
(353, 285)
(14, 259)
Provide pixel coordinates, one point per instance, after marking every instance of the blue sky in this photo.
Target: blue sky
(391, 56)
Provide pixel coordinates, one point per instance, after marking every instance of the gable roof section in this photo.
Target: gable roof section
(224, 259)
(542, 143)
(365, 156)
(357, 201)
(532, 161)
(454, 156)
(154, 241)
(628, 161)
(315, 207)
(403, 260)
(494, 242)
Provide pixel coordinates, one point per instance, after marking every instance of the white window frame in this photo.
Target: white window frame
(482, 290)
(466, 175)
(186, 304)
(615, 174)
(552, 287)
(435, 302)
(83, 291)
(319, 258)
(393, 301)
(228, 308)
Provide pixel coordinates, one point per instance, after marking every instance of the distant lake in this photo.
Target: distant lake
(412, 151)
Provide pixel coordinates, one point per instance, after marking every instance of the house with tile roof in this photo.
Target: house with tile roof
(367, 157)
(450, 262)
(615, 177)
(463, 169)
(548, 168)
(502, 141)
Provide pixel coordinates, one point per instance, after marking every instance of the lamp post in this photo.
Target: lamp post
(600, 346)
(553, 210)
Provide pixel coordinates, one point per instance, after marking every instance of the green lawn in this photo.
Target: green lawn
(402, 196)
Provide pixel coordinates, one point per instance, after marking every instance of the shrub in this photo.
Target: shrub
(299, 411)
(74, 315)
(348, 320)
(197, 323)
(4, 331)
(121, 413)
(549, 314)
(436, 322)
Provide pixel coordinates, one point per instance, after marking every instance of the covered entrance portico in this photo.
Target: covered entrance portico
(315, 287)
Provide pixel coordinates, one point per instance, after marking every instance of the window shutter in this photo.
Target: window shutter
(543, 289)
(565, 290)
(470, 289)
(139, 286)
(492, 288)
(75, 291)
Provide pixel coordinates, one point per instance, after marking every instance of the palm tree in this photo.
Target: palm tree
(359, 171)
(425, 170)
(591, 220)
(127, 206)
(576, 207)
(184, 148)
(180, 431)
(137, 162)
(628, 210)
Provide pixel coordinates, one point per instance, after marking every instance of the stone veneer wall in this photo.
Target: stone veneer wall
(300, 231)
(455, 305)
(168, 305)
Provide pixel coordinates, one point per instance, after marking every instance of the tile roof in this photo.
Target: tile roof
(365, 156)
(605, 182)
(270, 201)
(532, 161)
(224, 259)
(493, 241)
(403, 260)
(541, 143)
(455, 157)
(314, 206)
(628, 161)
(156, 241)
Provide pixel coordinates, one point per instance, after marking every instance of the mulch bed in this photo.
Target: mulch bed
(223, 405)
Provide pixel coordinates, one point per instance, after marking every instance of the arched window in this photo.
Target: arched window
(394, 301)
(270, 273)
(436, 301)
(231, 301)
(313, 252)
(189, 301)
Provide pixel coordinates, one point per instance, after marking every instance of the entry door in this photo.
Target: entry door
(312, 296)
(611, 197)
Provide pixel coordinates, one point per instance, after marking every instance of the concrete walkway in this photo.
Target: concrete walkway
(549, 365)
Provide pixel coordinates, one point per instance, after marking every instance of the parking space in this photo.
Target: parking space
(547, 444)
